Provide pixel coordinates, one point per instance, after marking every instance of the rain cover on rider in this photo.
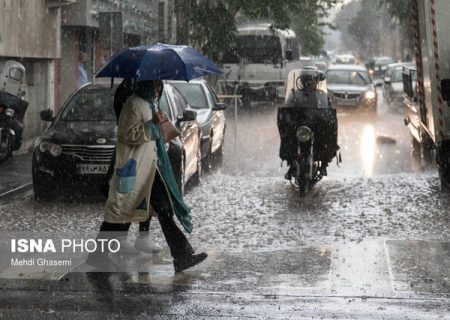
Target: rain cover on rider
(311, 109)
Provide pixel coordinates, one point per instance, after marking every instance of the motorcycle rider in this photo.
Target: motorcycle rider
(306, 96)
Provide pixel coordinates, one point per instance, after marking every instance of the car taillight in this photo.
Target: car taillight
(2, 109)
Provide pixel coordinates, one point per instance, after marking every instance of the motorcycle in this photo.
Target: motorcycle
(12, 108)
(308, 130)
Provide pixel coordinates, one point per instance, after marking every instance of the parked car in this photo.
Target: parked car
(350, 86)
(393, 84)
(76, 149)
(210, 117)
(378, 65)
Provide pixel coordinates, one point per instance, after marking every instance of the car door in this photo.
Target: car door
(189, 133)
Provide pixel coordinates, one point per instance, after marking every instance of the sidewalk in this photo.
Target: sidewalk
(15, 173)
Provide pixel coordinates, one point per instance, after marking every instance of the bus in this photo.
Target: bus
(257, 64)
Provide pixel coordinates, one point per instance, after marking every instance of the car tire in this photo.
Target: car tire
(43, 189)
(208, 160)
(196, 178)
(217, 157)
(5, 146)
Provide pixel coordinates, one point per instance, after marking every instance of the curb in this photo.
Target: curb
(17, 190)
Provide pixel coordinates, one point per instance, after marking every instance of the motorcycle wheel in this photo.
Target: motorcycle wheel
(303, 186)
(6, 141)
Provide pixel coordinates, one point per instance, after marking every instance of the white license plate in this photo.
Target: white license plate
(348, 102)
(92, 168)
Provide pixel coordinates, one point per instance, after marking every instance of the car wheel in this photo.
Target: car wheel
(44, 190)
(218, 155)
(207, 160)
(5, 146)
(196, 178)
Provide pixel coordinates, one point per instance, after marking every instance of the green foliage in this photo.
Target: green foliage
(213, 22)
(401, 10)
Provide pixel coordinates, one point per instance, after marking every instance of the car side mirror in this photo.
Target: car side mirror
(445, 89)
(188, 115)
(46, 115)
(219, 107)
(321, 76)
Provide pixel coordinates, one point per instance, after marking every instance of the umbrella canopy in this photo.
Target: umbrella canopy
(158, 62)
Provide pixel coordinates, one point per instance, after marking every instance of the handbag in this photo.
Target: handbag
(168, 130)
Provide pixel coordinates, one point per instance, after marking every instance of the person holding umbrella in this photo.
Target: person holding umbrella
(143, 174)
(144, 179)
(142, 243)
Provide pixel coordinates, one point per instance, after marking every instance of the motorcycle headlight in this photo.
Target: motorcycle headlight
(54, 149)
(304, 134)
(369, 95)
(9, 112)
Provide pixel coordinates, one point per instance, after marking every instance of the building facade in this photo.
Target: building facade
(54, 39)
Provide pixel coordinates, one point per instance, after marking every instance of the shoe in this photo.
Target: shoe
(189, 262)
(146, 245)
(127, 247)
(290, 173)
(101, 262)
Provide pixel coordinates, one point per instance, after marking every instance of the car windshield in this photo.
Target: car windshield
(348, 77)
(383, 61)
(396, 75)
(254, 49)
(194, 94)
(90, 105)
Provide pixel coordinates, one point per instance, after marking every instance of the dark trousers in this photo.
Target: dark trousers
(179, 245)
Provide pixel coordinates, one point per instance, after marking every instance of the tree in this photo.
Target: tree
(213, 22)
(401, 10)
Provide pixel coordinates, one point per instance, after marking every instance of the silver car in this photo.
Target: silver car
(350, 86)
(210, 117)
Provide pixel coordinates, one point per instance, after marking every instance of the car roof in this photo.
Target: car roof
(351, 67)
(196, 81)
(401, 64)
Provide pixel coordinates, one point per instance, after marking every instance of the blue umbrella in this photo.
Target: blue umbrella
(158, 62)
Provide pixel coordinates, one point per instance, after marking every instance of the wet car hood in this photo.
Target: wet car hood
(82, 132)
(346, 87)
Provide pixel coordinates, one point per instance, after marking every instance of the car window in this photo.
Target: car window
(164, 105)
(348, 77)
(396, 75)
(180, 101)
(194, 94)
(213, 93)
(90, 105)
(210, 96)
(383, 61)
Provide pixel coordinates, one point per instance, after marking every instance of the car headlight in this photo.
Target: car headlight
(54, 149)
(304, 134)
(369, 95)
(9, 112)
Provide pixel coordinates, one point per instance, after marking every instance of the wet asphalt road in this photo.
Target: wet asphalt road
(370, 241)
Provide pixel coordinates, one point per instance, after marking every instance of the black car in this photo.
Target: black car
(76, 150)
(378, 66)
